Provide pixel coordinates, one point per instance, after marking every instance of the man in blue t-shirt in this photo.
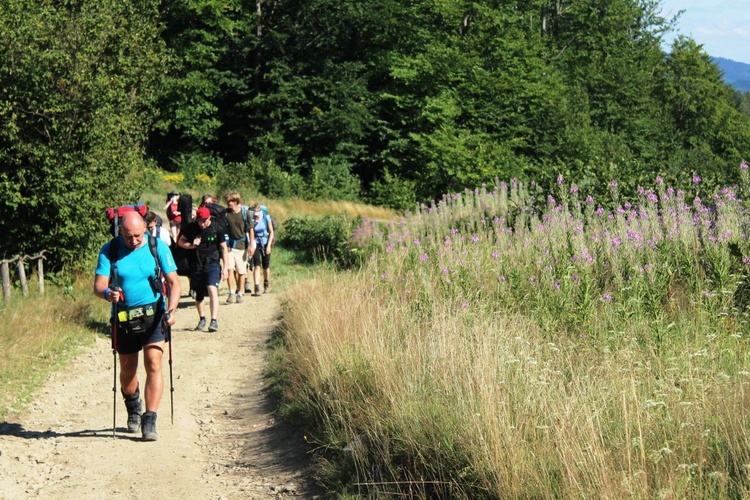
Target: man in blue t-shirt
(141, 315)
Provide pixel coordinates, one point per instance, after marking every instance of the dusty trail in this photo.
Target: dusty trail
(225, 441)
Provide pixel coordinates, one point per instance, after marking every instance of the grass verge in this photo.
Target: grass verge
(39, 334)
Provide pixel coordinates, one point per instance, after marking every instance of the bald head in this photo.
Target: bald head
(132, 220)
(133, 228)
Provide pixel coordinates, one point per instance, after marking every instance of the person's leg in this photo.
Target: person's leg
(213, 297)
(231, 276)
(129, 373)
(241, 260)
(199, 281)
(266, 273)
(153, 351)
(152, 361)
(214, 279)
(256, 271)
(131, 393)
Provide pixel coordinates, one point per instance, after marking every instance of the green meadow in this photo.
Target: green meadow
(500, 343)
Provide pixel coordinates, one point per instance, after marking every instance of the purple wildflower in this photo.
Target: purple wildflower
(659, 180)
(696, 179)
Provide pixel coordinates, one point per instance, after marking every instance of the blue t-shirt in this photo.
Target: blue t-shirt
(133, 269)
(261, 230)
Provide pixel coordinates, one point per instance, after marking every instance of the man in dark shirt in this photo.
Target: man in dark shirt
(210, 247)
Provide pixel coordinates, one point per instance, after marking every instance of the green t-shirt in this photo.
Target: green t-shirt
(236, 230)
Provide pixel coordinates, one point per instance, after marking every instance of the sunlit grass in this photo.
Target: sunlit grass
(499, 349)
(40, 332)
(295, 207)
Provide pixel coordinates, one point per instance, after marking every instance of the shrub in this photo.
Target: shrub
(324, 239)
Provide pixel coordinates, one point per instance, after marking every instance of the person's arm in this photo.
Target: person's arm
(102, 288)
(173, 300)
(104, 291)
(251, 241)
(271, 234)
(224, 260)
(183, 242)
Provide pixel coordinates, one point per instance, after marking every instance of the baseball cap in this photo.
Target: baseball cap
(203, 213)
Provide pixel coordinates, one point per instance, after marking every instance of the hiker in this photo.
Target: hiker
(262, 233)
(173, 214)
(141, 314)
(210, 247)
(155, 229)
(238, 227)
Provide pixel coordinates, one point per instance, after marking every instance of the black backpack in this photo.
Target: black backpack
(182, 257)
(219, 217)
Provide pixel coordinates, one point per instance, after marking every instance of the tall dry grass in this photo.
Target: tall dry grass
(491, 363)
(37, 334)
(295, 207)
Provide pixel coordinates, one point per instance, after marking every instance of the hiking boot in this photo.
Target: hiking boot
(257, 291)
(148, 426)
(230, 299)
(248, 288)
(214, 326)
(133, 405)
(239, 298)
(201, 324)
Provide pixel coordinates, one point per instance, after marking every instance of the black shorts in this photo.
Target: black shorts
(128, 343)
(260, 258)
(203, 278)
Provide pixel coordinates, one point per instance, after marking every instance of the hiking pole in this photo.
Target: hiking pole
(171, 382)
(114, 381)
(113, 308)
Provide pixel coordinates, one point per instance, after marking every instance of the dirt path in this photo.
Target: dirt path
(225, 442)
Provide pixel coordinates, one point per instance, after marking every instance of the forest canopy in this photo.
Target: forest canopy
(388, 101)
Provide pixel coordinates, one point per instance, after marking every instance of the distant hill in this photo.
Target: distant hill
(736, 74)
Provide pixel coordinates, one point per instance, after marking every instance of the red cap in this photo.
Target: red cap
(203, 213)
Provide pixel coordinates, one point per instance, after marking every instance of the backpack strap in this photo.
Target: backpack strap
(114, 247)
(244, 217)
(155, 254)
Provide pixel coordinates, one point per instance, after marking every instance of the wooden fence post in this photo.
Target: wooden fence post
(22, 276)
(40, 272)
(6, 279)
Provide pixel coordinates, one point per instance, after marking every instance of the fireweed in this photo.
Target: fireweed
(503, 343)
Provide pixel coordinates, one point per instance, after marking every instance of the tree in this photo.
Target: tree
(77, 86)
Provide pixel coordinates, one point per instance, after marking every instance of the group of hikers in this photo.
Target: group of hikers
(137, 271)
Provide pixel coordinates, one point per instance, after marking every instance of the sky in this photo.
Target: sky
(721, 26)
